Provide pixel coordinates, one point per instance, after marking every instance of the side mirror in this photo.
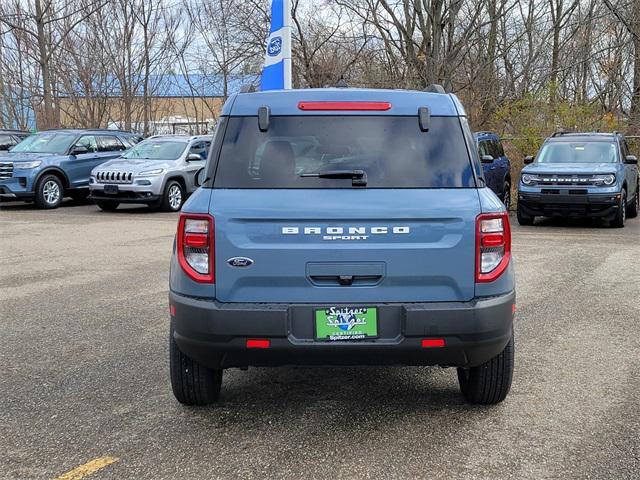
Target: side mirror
(528, 159)
(194, 157)
(486, 158)
(631, 160)
(200, 177)
(79, 150)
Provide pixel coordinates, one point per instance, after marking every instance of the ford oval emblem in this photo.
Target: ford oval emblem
(240, 262)
(274, 47)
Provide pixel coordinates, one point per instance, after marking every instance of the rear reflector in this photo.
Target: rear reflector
(344, 106)
(258, 343)
(432, 342)
(172, 310)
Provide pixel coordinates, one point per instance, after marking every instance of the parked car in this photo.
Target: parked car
(10, 138)
(342, 227)
(580, 175)
(496, 165)
(52, 164)
(159, 172)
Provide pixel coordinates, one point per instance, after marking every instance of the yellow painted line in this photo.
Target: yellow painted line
(88, 468)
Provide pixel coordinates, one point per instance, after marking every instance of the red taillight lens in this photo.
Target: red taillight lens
(493, 245)
(345, 106)
(196, 246)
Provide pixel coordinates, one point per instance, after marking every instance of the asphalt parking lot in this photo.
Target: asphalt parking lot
(84, 376)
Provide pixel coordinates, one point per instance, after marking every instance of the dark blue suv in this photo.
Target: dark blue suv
(53, 164)
(495, 165)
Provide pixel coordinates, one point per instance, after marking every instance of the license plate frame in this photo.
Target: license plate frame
(111, 189)
(345, 323)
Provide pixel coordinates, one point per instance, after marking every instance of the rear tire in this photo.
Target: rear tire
(49, 192)
(107, 205)
(192, 383)
(489, 383)
(524, 219)
(632, 209)
(621, 214)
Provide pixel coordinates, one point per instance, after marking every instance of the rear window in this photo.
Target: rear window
(392, 151)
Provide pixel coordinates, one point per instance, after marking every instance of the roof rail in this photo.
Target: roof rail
(484, 132)
(435, 88)
(560, 133)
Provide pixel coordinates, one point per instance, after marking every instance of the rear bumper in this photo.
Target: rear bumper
(566, 204)
(215, 334)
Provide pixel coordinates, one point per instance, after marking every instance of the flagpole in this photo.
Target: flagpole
(287, 44)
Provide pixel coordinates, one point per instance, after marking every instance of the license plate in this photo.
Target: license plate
(111, 189)
(346, 323)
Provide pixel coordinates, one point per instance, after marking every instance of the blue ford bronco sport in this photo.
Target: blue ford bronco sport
(580, 175)
(342, 227)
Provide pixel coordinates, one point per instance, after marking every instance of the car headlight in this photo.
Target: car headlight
(151, 173)
(609, 179)
(529, 179)
(26, 165)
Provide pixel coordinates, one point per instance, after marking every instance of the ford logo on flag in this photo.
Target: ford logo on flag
(274, 47)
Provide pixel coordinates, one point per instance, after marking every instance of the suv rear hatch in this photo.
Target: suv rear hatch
(333, 209)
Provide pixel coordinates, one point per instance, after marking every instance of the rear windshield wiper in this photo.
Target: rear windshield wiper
(358, 177)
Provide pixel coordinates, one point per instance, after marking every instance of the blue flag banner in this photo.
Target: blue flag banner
(276, 74)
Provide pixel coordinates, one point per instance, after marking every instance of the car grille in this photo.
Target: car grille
(565, 179)
(6, 170)
(114, 177)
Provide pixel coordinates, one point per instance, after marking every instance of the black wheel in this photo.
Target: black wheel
(107, 205)
(489, 383)
(192, 383)
(632, 209)
(173, 197)
(49, 192)
(506, 195)
(524, 219)
(621, 215)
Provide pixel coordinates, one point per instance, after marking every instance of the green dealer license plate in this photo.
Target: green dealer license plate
(346, 323)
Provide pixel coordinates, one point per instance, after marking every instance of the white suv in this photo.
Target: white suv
(159, 171)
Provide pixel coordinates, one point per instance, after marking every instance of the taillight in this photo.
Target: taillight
(493, 245)
(196, 246)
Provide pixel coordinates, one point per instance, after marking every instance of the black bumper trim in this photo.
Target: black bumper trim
(138, 198)
(569, 205)
(215, 333)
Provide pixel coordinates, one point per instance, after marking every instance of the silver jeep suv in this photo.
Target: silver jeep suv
(159, 171)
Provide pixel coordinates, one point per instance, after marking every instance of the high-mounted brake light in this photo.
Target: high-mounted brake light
(493, 246)
(344, 106)
(195, 245)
